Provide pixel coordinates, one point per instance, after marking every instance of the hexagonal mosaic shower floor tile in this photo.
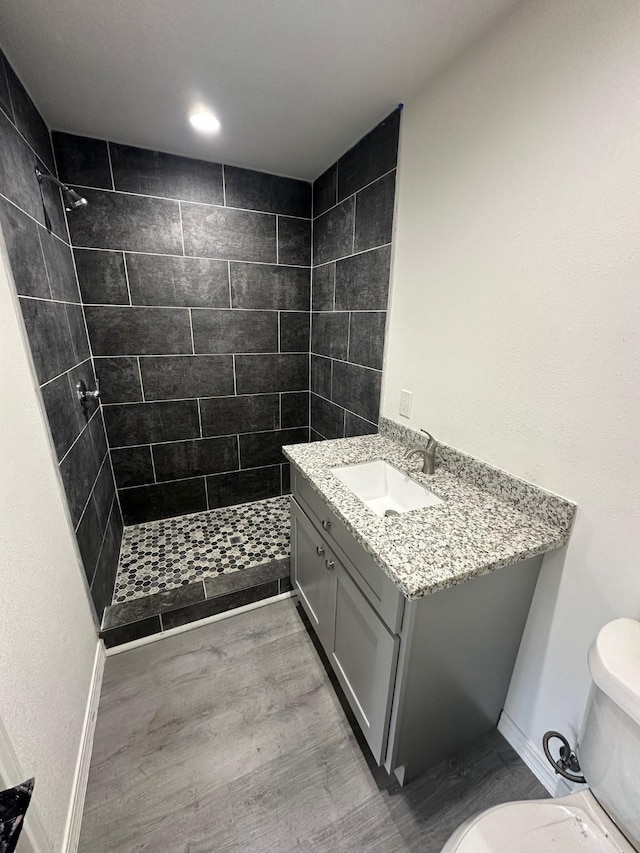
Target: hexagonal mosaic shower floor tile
(166, 554)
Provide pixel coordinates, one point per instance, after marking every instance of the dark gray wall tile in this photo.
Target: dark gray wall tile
(119, 379)
(333, 233)
(362, 282)
(132, 466)
(321, 376)
(98, 436)
(374, 213)
(61, 404)
(82, 161)
(257, 374)
(138, 170)
(78, 329)
(230, 415)
(79, 470)
(54, 210)
(144, 331)
(192, 458)
(147, 423)
(236, 235)
(105, 574)
(5, 100)
(59, 262)
(325, 190)
(357, 389)
(294, 241)
(366, 338)
(269, 286)
(28, 120)
(89, 535)
(49, 337)
(166, 280)
(322, 288)
(329, 334)
(173, 378)
(294, 409)
(104, 492)
(270, 193)
(234, 330)
(25, 254)
(17, 171)
(239, 487)
(294, 331)
(102, 277)
(315, 436)
(148, 503)
(265, 448)
(358, 426)
(326, 417)
(128, 222)
(285, 480)
(375, 155)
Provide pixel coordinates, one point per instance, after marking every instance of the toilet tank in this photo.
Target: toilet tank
(609, 746)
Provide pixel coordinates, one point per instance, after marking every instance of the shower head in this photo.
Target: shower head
(72, 199)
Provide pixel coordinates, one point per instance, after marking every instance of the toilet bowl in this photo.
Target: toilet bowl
(562, 825)
(606, 818)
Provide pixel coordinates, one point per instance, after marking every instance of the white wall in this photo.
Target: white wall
(515, 315)
(47, 635)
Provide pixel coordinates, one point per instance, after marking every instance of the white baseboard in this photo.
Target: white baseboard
(81, 775)
(535, 759)
(171, 632)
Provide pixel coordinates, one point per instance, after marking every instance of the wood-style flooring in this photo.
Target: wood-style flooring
(230, 738)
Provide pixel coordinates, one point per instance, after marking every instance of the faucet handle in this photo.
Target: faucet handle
(428, 434)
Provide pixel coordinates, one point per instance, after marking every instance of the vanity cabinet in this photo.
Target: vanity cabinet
(360, 648)
(425, 677)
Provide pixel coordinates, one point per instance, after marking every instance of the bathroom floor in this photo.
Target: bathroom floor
(163, 555)
(229, 737)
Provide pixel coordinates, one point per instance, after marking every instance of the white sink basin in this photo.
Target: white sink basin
(383, 488)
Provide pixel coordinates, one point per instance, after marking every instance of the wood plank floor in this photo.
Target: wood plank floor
(230, 738)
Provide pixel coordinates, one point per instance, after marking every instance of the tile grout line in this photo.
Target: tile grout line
(199, 417)
(229, 284)
(113, 181)
(277, 240)
(126, 278)
(153, 467)
(193, 346)
(235, 382)
(181, 228)
(224, 186)
(144, 400)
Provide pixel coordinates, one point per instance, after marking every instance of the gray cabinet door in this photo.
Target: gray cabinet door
(315, 583)
(364, 658)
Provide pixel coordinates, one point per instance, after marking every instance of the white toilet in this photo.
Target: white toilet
(606, 817)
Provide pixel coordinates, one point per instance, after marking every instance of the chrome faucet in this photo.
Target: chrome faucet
(428, 454)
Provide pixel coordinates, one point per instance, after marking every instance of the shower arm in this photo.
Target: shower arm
(72, 200)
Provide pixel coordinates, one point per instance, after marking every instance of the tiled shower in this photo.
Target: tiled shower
(225, 312)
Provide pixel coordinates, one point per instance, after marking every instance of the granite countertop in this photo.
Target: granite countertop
(488, 519)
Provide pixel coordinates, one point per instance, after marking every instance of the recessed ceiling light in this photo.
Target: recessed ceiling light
(204, 121)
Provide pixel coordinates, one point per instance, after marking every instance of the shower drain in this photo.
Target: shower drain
(235, 539)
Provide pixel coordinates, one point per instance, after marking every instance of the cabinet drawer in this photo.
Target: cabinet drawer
(380, 591)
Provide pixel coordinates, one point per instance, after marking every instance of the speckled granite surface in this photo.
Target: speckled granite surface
(488, 519)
